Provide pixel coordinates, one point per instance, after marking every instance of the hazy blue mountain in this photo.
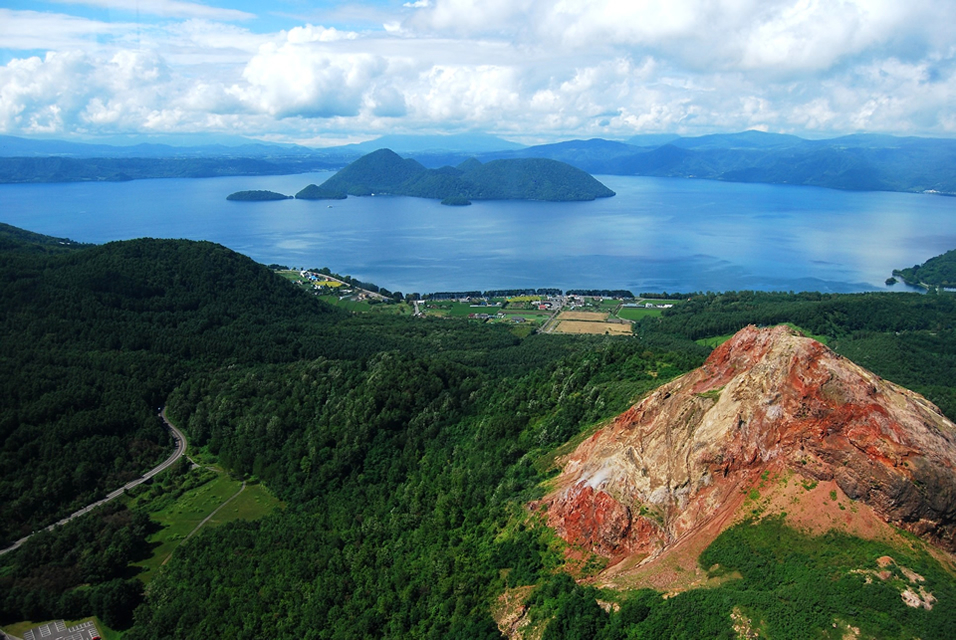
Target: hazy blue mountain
(743, 140)
(16, 147)
(652, 139)
(464, 142)
(67, 169)
(855, 162)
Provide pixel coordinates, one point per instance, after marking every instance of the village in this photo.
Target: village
(526, 311)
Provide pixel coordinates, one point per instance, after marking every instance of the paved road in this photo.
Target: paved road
(181, 444)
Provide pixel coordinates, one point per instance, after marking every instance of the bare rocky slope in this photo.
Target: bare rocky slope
(766, 400)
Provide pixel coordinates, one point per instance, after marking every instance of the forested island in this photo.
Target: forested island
(405, 452)
(385, 172)
(257, 196)
(939, 271)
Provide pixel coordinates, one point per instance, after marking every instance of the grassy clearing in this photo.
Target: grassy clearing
(347, 303)
(819, 338)
(253, 503)
(714, 342)
(523, 330)
(180, 517)
(636, 313)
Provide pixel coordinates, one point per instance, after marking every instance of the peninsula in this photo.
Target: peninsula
(385, 172)
(939, 271)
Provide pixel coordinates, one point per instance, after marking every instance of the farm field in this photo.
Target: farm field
(586, 316)
(580, 327)
(637, 313)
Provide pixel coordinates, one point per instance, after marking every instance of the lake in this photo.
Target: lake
(657, 234)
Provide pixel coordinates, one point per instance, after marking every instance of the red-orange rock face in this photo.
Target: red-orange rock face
(766, 399)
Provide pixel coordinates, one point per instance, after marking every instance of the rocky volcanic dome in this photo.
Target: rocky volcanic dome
(767, 399)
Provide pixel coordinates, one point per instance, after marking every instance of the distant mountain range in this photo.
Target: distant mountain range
(857, 162)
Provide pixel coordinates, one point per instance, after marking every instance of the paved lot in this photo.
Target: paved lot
(57, 630)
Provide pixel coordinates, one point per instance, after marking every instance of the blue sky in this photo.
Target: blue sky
(326, 73)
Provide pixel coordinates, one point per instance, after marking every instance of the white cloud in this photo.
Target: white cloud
(537, 68)
(301, 80)
(311, 33)
(34, 30)
(205, 36)
(475, 95)
(165, 8)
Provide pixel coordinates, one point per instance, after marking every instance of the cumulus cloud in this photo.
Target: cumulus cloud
(705, 34)
(295, 79)
(76, 92)
(540, 68)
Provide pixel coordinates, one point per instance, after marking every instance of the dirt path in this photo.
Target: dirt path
(206, 519)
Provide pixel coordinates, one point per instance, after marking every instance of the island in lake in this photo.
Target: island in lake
(257, 196)
(384, 172)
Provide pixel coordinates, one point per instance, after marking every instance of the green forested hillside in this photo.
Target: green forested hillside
(939, 271)
(398, 473)
(908, 338)
(312, 192)
(405, 451)
(406, 501)
(22, 241)
(94, 340)
(91, 343)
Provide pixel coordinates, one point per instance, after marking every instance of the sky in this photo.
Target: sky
(324, 73)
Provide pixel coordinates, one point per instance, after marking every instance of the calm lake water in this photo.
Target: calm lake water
(657, 234)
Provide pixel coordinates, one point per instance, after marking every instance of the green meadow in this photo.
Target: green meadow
(178, 517)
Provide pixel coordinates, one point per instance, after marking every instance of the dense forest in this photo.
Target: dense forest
(404, 450)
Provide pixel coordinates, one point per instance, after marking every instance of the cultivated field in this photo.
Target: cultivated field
(599, 328)
(586, 316)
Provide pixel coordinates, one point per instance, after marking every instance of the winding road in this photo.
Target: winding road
(181, 444)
